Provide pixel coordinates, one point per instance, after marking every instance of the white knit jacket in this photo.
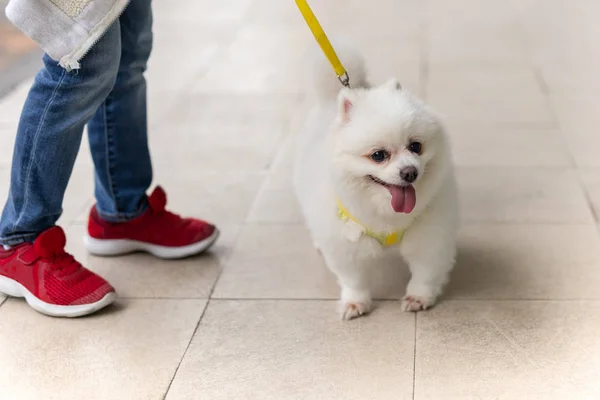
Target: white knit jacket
(65, 29)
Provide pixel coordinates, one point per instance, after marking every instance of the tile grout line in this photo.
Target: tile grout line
(537, 71)
(544, 87)
(424, 53)
(208, 301)
(531, 223)
(278, 150)
(222, 55)
(415, 357)
(466, 222)
(558, 126)
(388, 300)
(228, 257)
(588, 200)
(186, 350)
(88, 204)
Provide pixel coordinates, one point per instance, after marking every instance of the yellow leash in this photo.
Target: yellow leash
(323, 41)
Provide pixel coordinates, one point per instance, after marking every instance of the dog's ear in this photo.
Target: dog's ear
(393, 84)
(346, 102)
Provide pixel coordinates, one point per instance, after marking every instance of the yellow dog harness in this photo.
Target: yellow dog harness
(385, 239)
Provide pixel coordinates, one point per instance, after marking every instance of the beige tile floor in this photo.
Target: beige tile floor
(517, 83)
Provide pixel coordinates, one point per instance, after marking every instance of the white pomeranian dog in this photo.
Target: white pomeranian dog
(374, 174)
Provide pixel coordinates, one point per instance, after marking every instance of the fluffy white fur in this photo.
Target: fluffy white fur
(342, 129)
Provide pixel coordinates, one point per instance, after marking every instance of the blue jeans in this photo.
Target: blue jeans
(109, 94)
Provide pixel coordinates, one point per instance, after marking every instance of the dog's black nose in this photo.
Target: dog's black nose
(409, 174)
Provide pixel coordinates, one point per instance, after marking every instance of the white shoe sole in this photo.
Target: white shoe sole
(117, 247)
(13, 288)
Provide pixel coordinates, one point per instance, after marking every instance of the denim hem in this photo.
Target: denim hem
(122, 217)
(15, 240)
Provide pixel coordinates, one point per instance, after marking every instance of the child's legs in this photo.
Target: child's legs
(118, 130)
(57, 108)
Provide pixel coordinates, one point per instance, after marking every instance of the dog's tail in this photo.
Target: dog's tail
(324, 82)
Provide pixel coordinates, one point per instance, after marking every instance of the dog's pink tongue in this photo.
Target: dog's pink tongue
(404, 198)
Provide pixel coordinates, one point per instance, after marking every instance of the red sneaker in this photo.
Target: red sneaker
(50, 280)
(157, 231)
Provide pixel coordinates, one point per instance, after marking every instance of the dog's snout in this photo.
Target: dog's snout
(409, 174)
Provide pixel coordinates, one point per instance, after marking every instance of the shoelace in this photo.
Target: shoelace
(64, 264)
(168, 216)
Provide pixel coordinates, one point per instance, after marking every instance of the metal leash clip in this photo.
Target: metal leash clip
(345, 79)
(323, 41)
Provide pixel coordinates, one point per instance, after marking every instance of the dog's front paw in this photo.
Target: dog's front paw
(416, 303)
(354, 310)
(355, 303)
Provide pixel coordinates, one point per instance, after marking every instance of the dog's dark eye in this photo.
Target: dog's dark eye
(380, 156)
(415, 147)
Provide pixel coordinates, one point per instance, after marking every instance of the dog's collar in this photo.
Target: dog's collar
(385, 239)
